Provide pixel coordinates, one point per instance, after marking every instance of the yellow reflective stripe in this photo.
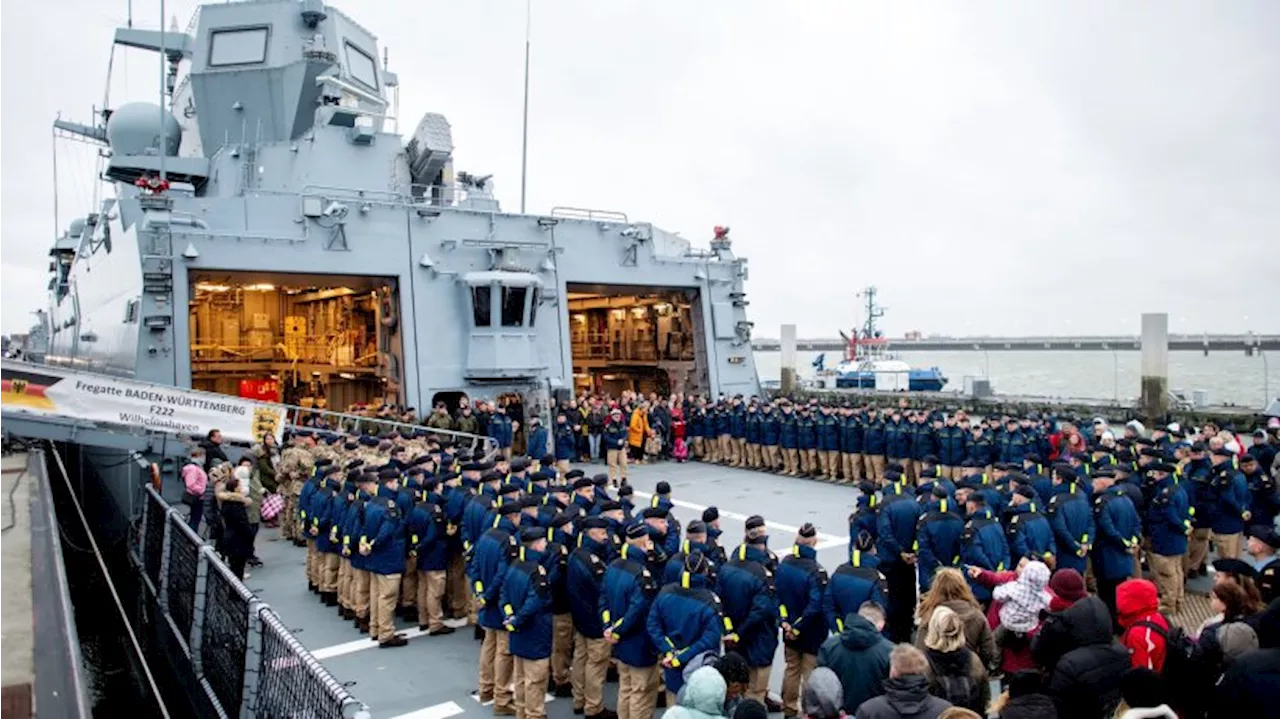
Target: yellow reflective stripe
(1191, 511)
(684, 580)
(955, 559)
(857, 558)
(413, 539)
(653, 501)
(915, 546)
(943, 504)
(675, 662)
(684, 546)
(506, 609)
(669, 642)
(496, 520)
(742, 553)
(605, 616)
(551, 532)
(839, 625)
(522, 554)
(795, 551)
(728, 624)
(782, 611)
(479, 587)
(1084, 539)
(1033, 506)
(999, 566)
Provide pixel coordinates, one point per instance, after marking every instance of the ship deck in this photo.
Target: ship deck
(434, 677)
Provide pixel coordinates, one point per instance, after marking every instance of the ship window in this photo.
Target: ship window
(513, 306)
(361, 66)
(480, 305)
(131, 312)
(245, 46)
(533, 307)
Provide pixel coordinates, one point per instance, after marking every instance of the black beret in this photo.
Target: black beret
(547, 460)
(894, 467)
(582, 483)
(697, 526)
(529, 502)
(930, 458)
(1266, 534)
(636, 531)
(350, 445)
(1161, 467)
(1104, 471)
(354, 464)
(600, 480)
(509, 508)
(492, 475)
(354, 476)
(1065, 474)
(368, 441)
(755, 521)
(558, 489)
(508, 488)
(388, 473)
(329, 469)
(561, 519)
(867, 487)
(939, 491)
(967, 463)
(1234, 566)
(654, 513)
(528, 535)
(1223, 452)
(626, 490)
(519, 464)
(1026, 491)
(892, 475)
(323, 462)
(448, 476)
(663, 488)
(611, 507)
(807, 530)
(929, 472)
(540, 476)
(1158, 454)
(574, 474)
(1032, 458)
(595, 523)
(710, 514)
(415, 471)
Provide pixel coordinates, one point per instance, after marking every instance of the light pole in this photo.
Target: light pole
(986, 359)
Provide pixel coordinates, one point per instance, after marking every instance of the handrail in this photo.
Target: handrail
(354, 423)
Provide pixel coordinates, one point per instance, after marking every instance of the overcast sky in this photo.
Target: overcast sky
(993, 167)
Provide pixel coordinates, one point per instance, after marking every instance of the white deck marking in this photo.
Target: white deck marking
(364, 642)
(438, 711)
(825, 541)
(548, 698)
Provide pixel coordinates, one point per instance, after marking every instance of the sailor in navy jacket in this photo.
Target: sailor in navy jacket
(938, 537)
(685, 620)
(1027, 529)
(983, 543)
(586, 577)
(1231, 491)
(854, 582)
(490, 556)
(526, 599)
(629, 588)
(800, 583)
(746, 586)
(1072, 519)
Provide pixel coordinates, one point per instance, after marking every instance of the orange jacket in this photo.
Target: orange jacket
(639, 428)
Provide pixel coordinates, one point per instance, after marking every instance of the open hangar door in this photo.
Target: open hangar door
(323, 341)
(643, 338)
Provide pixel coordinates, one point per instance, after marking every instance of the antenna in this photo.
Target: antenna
(160, 138)
(524, 140)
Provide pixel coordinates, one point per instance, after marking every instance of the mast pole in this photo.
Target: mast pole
(160, 138)
(524, 140)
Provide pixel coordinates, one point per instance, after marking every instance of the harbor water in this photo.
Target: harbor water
(1229, 378)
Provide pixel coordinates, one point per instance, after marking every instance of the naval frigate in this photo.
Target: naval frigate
(268, 233)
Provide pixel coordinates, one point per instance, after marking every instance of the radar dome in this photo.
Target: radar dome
(132, 130)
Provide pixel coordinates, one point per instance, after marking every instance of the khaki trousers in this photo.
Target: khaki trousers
(824, 468)
(1197, 550)
(561, 648)
(503, 669)
(1227, 545)
(713, 449)
(771, 457)
(289, 520)
(329, 577)
(361, 586)
(726, 454)
(530, 677)
(699, 451)
(913, 470)
(382, 617)
(799, 667)
(590, 665)
(852, 466)
(313, 568)
(875, 467)
(833, 464)
(758, 683)
(753, 455)
(617, 459)
(456, 586)
(802, 461)
(791, 461)
(813, 460)
(488, 658)
(1167, 573)
(409, 583)
(637, 691)
(740, 451)
(430, 599)
(346, 597)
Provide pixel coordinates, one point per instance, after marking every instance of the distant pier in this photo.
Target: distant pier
(1248, 343)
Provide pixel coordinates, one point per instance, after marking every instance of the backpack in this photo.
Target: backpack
(1185, 666)
(959, 689)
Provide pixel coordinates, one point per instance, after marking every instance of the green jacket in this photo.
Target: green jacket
(702, 697)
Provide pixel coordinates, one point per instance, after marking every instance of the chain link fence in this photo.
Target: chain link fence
(234, 646)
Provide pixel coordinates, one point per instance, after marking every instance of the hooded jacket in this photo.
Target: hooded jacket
(860, 658)
(1030, 706)
(1137, 601)
(702, 698)
(959, 662)
(905, 697)
(1083, 664)
(977, 633)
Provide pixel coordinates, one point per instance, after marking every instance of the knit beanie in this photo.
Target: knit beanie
(1068, 586)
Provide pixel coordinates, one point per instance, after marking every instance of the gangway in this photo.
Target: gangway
(99, 410)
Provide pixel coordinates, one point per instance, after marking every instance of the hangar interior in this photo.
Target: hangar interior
(646, 339)
(323, 341)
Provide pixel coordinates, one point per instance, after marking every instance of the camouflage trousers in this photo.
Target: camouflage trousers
(289, 517)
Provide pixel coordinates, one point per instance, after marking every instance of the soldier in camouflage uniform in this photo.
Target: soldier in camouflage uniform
(296, 466)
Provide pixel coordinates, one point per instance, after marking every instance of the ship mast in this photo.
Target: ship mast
(873, 310)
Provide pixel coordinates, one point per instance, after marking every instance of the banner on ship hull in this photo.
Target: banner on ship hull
(118, 401)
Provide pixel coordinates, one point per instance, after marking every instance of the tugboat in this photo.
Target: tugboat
(869, 363)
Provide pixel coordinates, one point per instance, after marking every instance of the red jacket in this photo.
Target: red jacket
(1137, 601)
(1012, 659)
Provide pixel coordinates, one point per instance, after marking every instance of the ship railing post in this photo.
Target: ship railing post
(139, 551)
(252, 660)
(196, 640)
(162, 589)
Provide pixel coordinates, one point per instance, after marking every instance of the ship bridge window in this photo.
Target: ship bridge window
(242, 46)
(513, 306)
(360, 65)
(480, 305)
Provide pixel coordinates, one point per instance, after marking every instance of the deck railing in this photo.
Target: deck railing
(246, 663)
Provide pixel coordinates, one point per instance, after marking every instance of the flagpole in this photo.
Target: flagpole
(524, 142)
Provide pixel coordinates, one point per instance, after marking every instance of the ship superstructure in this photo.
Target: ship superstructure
(270, 235)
